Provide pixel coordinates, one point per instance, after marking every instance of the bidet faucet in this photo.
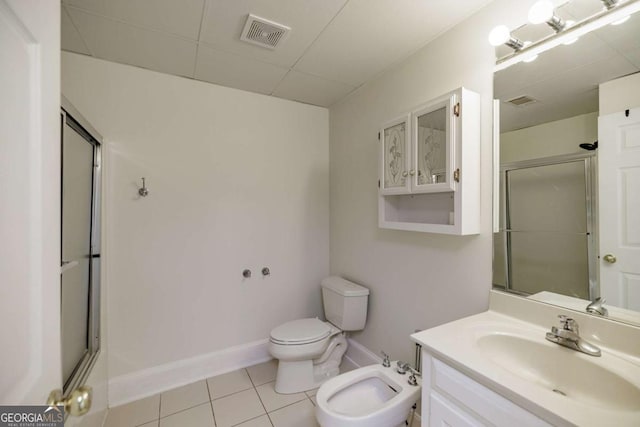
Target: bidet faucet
(402, 367)
(569, 336)
(385, 362)
(597, 307)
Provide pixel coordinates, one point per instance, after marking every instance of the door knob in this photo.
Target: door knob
(611, 259)
(77, 403)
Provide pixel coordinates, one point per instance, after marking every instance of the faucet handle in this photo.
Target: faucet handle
(568, 324)
(385, 362)
(412, 378)
(402, 367)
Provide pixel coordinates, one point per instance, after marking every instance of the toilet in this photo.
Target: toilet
(372, 396)
(309, 351)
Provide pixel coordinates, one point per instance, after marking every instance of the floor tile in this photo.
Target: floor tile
(237, 408)
(272, 400)
(200, 416)
(134, 413)
(182, 398)
(226, 384)
(264, 372)
(301, 414)
(262, 421)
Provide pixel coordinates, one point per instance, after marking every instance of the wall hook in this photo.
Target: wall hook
(144, 191)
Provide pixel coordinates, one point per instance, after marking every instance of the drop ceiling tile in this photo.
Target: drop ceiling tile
(231, 70)
(70, 38)
(368, 36)
(181, 17)
(224, 21)
(118, 42)
(311, 89)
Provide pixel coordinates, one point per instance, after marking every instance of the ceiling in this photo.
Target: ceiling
(564, 81)
(334, 45)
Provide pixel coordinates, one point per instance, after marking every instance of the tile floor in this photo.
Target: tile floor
(243, 398)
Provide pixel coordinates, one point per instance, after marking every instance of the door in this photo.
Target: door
(394, 157)
(619, 192)
(29, 200)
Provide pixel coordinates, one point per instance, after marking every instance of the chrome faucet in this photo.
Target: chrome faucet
(597, 307)
(569, 336)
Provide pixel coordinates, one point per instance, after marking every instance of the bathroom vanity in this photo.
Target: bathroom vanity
(497, 368)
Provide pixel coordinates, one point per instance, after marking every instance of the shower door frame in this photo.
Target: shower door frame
(69, 115)
(590, 164)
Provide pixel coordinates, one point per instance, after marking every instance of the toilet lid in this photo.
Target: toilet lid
(301, 331)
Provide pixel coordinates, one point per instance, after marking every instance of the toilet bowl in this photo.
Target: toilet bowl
(309, 351)
(372, 396)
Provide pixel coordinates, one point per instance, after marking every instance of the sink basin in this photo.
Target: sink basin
(561, 386)
(568, 373)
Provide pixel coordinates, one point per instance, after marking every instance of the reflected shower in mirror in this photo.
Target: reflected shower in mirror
(551, 241)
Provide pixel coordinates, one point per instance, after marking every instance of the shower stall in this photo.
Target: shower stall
(546, 240)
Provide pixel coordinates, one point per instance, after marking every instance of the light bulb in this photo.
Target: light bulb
(499, 35)
(541, 11)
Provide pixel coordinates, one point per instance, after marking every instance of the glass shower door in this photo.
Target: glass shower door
(78, 254)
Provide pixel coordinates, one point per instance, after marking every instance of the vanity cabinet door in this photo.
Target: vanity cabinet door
(446, 413)
(394, 157)
(433, 146)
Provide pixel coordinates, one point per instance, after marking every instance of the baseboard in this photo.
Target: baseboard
(360, 355)
(137, 385)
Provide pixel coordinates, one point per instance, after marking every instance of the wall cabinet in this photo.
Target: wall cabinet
(449, 397)
(429, 167)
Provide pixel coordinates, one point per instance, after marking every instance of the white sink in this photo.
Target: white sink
(558, 384)
(563, 371)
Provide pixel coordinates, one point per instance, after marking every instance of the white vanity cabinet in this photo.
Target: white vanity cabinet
(429, 167)
(451, 398)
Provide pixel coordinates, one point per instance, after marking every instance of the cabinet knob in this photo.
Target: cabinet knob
(412, 172)
(404, 173)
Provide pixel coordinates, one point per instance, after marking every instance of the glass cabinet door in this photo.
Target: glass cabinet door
(433, 158)
(394, 138)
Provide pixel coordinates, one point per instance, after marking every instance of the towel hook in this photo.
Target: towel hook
(144, 191)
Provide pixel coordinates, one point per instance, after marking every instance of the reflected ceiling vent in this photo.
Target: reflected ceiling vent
(522, 101)
(262, 32)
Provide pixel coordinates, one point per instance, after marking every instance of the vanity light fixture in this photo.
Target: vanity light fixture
(543, 11)
(502, 35)
(617, 13)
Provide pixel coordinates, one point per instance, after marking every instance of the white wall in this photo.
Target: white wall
(549, 139)
(417, 280)
(237, 180)
(619, 94)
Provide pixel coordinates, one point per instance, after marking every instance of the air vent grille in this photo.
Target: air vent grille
(521, 101)
(263, 32)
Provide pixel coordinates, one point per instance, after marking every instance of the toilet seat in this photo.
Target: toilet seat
(300, 332)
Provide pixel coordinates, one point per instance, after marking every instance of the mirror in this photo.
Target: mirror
(552, 215)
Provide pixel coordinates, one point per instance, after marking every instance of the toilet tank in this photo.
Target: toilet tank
(345, 303)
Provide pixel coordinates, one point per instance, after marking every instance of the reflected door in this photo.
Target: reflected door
(619, 191)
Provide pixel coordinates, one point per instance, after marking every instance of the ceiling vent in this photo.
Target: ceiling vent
(262, 32)
(521, 101)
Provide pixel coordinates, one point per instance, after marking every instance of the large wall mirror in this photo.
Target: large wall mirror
(569, 216)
